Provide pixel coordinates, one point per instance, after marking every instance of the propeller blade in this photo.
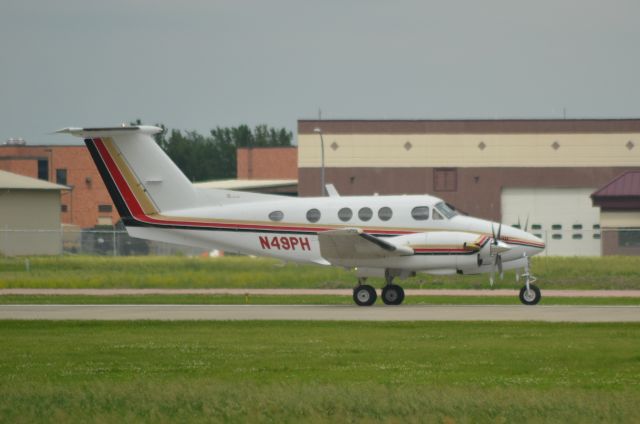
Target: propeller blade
(519, 226)
(499, 263)
(493, 235)
(499, 230)
(526, 224)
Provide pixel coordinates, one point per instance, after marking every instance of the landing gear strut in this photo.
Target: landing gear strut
(529, 293)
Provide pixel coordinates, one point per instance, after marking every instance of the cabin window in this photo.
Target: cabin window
(313, 215)
(345, 214)
(385, 213)
(276, 216)
(365, 214)
(420, 213)
(436, 215)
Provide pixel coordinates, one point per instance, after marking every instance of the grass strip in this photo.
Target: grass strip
(609, 272)
(318, 372)
(195, 299)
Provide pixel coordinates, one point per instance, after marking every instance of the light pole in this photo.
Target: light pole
(322, 188)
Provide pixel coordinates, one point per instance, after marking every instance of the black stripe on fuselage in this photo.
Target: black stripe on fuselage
(116, 197)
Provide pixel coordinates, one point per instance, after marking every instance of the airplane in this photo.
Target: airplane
(376, 236)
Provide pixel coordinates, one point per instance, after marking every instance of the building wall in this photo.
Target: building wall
(88, 190)
(614, 223)
(30, 222)
(469, 150)
(564, 218)
(267, 163)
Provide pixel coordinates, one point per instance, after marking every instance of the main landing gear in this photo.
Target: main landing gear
(365, 295)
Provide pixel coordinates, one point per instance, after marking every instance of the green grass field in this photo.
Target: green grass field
(318, 372)
(241, 272)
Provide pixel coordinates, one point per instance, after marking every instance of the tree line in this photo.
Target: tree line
(213, 156)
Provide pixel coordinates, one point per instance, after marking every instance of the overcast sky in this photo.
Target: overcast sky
(199, 64)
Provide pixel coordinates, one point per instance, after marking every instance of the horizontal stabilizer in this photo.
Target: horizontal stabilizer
(349, 244)
(110, 131)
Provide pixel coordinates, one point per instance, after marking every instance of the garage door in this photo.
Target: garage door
(563, 217)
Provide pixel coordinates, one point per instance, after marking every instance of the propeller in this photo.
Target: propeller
(526, 224)
(495, 249)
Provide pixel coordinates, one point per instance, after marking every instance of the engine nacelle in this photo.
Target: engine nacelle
(446, 250)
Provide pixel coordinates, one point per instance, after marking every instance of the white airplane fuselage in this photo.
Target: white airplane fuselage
(294, 238)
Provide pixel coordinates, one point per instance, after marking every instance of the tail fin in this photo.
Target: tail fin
(140, 177)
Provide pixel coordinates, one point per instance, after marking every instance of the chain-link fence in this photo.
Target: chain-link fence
(596, 242)
(86, 242)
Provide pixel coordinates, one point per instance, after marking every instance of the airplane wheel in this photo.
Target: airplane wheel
(392, 295)
(364, 295)
(532, 297)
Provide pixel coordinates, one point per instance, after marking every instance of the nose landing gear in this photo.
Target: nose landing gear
(529, 293)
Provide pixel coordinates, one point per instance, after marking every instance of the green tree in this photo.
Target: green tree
(213, 156)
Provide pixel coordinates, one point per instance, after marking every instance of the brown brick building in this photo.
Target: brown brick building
(87, 203)
(267, 163)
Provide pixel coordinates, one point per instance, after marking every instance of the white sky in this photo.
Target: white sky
(197, 64)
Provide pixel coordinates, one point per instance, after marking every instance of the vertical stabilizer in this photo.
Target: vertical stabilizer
(140, 177)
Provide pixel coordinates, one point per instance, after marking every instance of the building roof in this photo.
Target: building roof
(245, 184)
(9, 180)
(621, 193)
(625, 185)
(468, 126)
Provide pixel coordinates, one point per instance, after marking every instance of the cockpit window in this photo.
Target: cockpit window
(436, 215)
(445, 210)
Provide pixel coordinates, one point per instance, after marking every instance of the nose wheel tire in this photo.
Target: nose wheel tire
(392, 295)
(364, 295)
(530, 297)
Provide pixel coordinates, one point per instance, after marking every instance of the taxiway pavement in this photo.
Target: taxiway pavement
(324, 313)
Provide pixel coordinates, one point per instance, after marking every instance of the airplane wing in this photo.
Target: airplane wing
(348, 244)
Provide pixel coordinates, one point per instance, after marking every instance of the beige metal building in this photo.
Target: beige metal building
(29, 216)
(504, 170)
